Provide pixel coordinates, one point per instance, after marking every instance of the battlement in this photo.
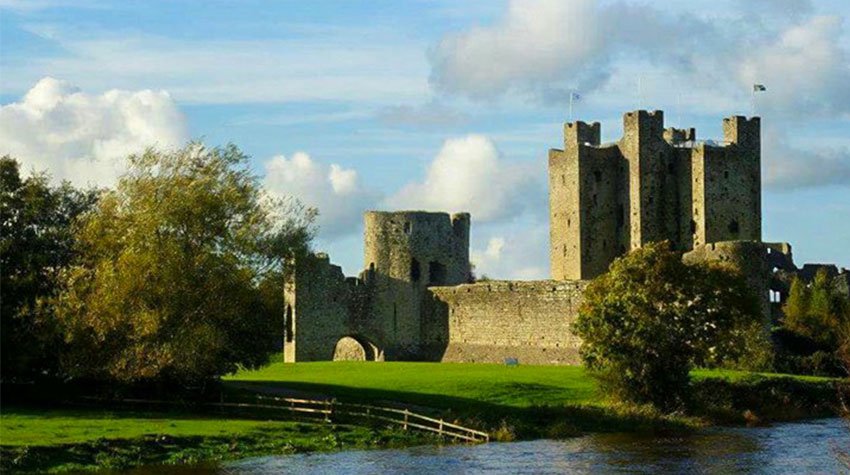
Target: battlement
(653, 184)
(673, 135)
(576, 133)
(742, 131)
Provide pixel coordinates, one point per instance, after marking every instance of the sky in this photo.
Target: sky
(435, 105)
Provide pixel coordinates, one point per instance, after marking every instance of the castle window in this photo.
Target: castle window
(733, 226)
(693, 227)
(563, 179)
(726, 174)
(621, 217)
(597, 175)
(395, 318)
(287, 324)
(407, 227)
(436, 273)
(415, 273)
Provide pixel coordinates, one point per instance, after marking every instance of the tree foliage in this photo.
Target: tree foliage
(816, 311)
(647, 321)
(36, 244)
(175, 266)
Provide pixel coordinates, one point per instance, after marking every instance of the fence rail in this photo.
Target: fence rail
(328, 409)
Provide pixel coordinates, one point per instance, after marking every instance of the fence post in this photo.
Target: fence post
(441, 426)
(406, 412)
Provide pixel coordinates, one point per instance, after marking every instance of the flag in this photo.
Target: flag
(575, 96)
(759, 87)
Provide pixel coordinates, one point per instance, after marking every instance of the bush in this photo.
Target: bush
(647, 321)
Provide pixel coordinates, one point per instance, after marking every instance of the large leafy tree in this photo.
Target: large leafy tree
(35, 245)
(175, 268)
(647, 321)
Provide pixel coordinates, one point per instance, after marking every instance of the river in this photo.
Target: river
(790, 448)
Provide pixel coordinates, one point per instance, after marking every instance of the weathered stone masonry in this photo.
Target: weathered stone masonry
(414, 299)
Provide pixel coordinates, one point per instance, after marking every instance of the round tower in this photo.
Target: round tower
(405, 252)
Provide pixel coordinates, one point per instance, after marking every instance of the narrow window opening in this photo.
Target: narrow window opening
(693, 227)
(621, 216)
(733, 227)
(597, 175)
(407, 227)
(287, 324)
(726, 174)
(395, 318)
(415, 272)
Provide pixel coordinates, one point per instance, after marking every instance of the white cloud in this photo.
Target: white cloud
(468, 174)
(333, 190)
(85, 138)
(805, 68)
(537, 42)
(789, 167)
(514, 252)
(548, 47)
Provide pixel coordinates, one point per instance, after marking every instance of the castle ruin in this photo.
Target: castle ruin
(415, 298)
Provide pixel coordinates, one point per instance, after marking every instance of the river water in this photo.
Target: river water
(792, 448)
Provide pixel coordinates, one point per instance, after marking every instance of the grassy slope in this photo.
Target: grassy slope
(61, 440)
(440, 385)
(535, 399)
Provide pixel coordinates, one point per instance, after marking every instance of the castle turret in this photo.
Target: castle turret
(405, 252)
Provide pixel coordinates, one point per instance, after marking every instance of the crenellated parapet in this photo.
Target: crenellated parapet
(653, 184)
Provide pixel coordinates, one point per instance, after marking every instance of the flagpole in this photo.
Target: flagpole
(571, 107)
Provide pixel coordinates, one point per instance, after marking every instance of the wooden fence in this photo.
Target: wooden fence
(331, 409)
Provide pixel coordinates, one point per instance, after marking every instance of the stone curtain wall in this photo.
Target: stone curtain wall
(487, 322)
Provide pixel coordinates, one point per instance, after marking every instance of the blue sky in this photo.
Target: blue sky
(431, 104)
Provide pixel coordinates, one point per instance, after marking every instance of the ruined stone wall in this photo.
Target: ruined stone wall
(494, 320)
(322, 306)
(405, 252)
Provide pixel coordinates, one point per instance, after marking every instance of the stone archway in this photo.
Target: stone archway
(351, 348)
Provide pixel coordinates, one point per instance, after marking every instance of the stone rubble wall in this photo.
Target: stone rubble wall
(490, 321)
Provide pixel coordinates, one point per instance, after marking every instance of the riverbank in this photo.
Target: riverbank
(69, 440)
(510, 402)
(525, 402)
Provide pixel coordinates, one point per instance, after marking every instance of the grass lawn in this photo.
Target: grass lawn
(63, 440)
(533, 400)
(432, 384)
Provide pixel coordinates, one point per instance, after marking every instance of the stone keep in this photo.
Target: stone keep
(415, 301)
(653, 184)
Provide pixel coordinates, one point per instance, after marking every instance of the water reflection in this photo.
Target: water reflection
(807, 447)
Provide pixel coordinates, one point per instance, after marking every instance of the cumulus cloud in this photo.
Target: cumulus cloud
(547, 47)
(536, 42)
(85, 138)
(336, 192)
(806, 68)
(517, 252)
(468, 174)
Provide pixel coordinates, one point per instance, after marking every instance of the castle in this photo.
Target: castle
(416, 300)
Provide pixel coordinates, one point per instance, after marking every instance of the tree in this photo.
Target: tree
(817, 311)
(168, 286)
(36, 244)
(647, 321)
